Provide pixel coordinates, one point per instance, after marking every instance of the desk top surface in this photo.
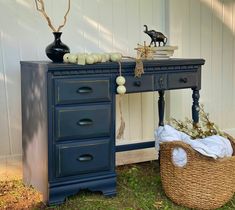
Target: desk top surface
(126, 64)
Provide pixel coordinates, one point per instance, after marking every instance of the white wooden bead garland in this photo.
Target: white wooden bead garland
(92, 58)
(120, 80)
(121, 90)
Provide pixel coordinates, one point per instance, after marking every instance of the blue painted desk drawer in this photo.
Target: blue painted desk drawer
(182, 80)
(82, 121)
(82, 157)
(70, 90)
(145, 83)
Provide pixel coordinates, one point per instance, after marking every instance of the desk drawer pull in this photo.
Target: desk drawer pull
(161, 82)
(82, 90)
(137, 83)
(85, 158)
(184, 80)
(85, 122)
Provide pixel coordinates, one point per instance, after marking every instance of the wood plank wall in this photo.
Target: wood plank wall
(93, 26)
(201, 28)
(206, 29)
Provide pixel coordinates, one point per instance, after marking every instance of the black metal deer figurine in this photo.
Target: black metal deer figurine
(156, 37)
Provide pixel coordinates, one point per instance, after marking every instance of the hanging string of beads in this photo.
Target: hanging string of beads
(139, 68)
(121, 90)
(120, 80)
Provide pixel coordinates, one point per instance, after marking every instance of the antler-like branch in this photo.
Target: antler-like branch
(41, 9)
(65, 17)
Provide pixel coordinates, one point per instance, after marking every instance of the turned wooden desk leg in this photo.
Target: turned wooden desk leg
(161, 106)
(195, 106)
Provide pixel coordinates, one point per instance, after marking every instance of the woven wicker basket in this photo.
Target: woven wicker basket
(203, 183)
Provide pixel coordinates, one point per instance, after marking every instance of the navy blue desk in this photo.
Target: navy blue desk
(68, 120)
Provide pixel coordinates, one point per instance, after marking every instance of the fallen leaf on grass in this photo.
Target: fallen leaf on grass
(158, 204)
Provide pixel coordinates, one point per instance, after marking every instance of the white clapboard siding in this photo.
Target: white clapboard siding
(92, 26)
(140, 108)
(74, 31)
(5, 148)
(200, 28)
(175, 13)
(205, 29)
(134, 100)
(90, 16)
(206, 52)
(147, 99)
(10, 57)
(105, 26)
(228, 84)
(216, 65)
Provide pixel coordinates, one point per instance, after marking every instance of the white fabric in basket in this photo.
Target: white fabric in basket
(213, 146)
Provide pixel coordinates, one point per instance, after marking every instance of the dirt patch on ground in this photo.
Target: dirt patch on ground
(14, 195)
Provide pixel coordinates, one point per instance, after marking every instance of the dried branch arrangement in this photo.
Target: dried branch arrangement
(203, 129)
(41, 8)
(144, 51)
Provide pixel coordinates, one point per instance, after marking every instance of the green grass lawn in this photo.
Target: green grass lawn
(138, 188)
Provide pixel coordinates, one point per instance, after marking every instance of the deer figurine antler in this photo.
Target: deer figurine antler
(41, 8)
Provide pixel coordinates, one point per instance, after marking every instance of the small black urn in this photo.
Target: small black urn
(56, 50)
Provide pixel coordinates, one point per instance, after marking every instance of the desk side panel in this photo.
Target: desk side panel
(34, 126)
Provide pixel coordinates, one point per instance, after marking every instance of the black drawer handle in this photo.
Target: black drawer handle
(85, 122)
(84, 90)
(84, 158)
(184, 80)
(137, 83)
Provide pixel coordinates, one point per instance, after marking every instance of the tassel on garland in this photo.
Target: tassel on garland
(120, 132)
(139, 68)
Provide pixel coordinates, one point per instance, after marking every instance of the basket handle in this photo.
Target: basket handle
(178, 144)
(232, 141)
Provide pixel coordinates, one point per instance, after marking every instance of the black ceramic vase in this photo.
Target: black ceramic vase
(56, 50)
